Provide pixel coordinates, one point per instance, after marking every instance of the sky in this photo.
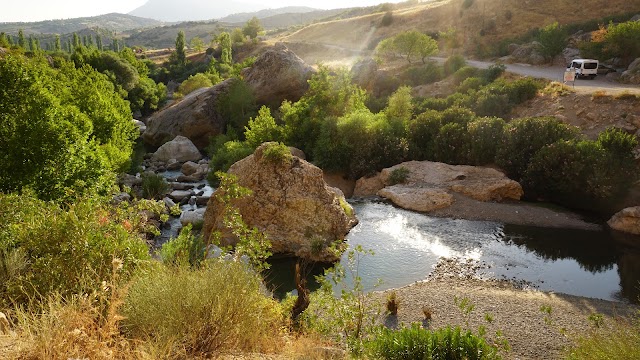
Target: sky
(37, 10)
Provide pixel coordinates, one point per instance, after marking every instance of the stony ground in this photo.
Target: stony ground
(516, 312)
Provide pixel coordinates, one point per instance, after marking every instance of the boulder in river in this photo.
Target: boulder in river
(180, 149)
(627, 220)
(428, 184)
(290, 202)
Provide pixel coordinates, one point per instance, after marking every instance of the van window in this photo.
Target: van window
(590, 65)
(575, 65)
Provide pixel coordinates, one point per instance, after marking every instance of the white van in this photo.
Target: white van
(587, 68)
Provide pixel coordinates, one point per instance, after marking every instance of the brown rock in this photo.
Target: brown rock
(417, 199)
(290, 203)
(627, 220)
(338, 180)
(277, 75)
(368, 186)
(179, 149)
(189, 168)
(196, 117)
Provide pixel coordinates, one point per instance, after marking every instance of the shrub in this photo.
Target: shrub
(617, 340)
(493, 72)
(262, 128)
(417, 343)
(522, 90)
(154, 186)
(457, 115)
(463, 73)
(202, 312)
(522, 138)
(472, 83)
(67, 250)
(451, 145)
(387, 19)
(422, 134)
(552, 39)
(420, 75)
(485, 134)
(193, 83)
(491, 104)
(185, 250)
(399, 175)
(277, 154)
(226, 155)
(453, 64)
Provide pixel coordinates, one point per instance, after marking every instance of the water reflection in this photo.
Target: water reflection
(407, 246)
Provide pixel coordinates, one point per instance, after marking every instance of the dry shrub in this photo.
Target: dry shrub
(203, 312)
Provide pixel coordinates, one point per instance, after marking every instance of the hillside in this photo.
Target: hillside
(265, 13)
(191, 10)
(112, 22)
(484, 22)
(165, 36)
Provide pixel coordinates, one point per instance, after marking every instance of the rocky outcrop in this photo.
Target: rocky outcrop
(179, 149)
(290, 202)
(277, 75)
(632, 74)
(431, 185)
(528, 54)
(627, 220)
(196, 117)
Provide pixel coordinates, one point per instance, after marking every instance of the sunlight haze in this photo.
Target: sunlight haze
(37, 10)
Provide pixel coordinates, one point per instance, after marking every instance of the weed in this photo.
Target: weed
(596, 320)
(466, 307)
(618, 339)
(154, 186)
(277, 153)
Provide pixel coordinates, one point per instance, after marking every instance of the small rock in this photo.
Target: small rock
(121, 197)
(192, 217)
(202, 200)
(187, 179)
(181, 186)
(168, 203)
(180, 195)
(189, 168)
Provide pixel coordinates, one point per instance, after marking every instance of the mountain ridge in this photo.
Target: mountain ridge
(111, 21)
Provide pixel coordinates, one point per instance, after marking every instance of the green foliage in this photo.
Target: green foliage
(193, 83)
(399, 175)
(552, 39)
(522, 138)
(227, 154)
(485, 135)
(46, 248)
(619, 339)
(451, 144)
(277, 154)
(351, 315)
(492, 104)
(262, 128)
(202, 313)
(179, 56)
(197, 44)
(400, 108)
(252, 28)
(453, 64)
(584, 174)
(417, 343)
(408, 44)
(329, 96)
(237, 36)
(224, 39)
(185, 250)
(424, 74)
(615, 41)
(154, 186)
(63, 129)
(463, 73)
(472, 83)
(238, 105)
(422, 134)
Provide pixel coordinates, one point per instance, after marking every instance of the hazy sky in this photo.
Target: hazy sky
(36, 10)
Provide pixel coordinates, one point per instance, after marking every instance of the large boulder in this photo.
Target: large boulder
(529, 54)
(632, 74)
(196, 117)
(431, 185)
(290, 202)
(627, 220)
(179, 149)
(277, 75)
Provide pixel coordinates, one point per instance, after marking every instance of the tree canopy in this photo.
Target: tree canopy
(252, 28)
(408, 45)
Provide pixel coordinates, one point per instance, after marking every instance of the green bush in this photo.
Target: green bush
(522, 138)
(399, 175)
(451, 145)
(471, 83)
(552, 39)
(47, 249)
(417, 343)
(485, 134)
(493, 72)
(590, 175)
(457, 115)
(154, 186)
(277, 154)
(453, 64)
(492, 104)
(226, 155)
(522, 90)
(463, 73)
(187, 249)
(202, 312)
(421, 75)
(193, 83)
(422, 134)
(262, 128)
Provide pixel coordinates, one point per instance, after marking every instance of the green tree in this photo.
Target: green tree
(21, 41)
(99, 42)
(179, 56)
(57, 45)
(408, 44)
(76, 41)
(450, 38)
(262, 128)
(552, 40)
(115, 45)
(197, 44)
(32, 44)
(252, 28)
(224, 39)
(237, 36)
(4, 41)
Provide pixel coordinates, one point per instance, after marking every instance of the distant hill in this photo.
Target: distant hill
(243, 17)
(112, 22)
(286, 20)
(191, 10)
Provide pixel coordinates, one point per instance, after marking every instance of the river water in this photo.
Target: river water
(408, 245)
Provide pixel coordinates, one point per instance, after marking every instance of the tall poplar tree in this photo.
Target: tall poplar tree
(21, 41)
(181, 55)
(57, 46)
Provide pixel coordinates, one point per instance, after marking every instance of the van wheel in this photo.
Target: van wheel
(591, 77)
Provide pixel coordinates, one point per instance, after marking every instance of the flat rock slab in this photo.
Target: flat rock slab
(417, 199)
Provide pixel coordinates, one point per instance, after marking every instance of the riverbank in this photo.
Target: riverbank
(515, 311)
